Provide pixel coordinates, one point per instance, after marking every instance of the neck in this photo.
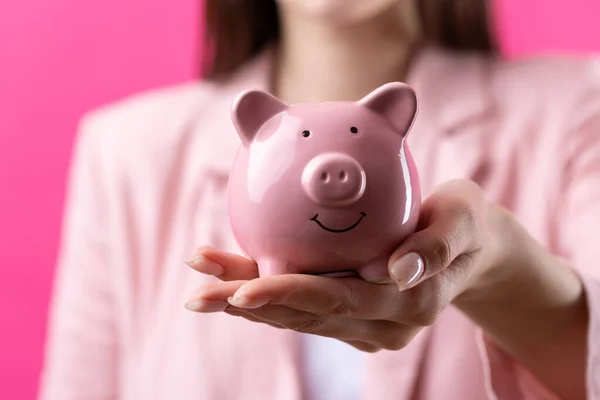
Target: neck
(318, 62)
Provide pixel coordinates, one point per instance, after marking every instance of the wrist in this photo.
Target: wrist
(496, 262)
(516, 272)
(526, 301)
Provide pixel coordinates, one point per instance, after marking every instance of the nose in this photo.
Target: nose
(334, 179)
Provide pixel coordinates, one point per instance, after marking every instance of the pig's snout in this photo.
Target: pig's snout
(334, 179)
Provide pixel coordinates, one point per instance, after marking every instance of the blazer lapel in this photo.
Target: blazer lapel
(456, 115)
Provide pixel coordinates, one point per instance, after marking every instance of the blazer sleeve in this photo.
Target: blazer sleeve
(81, 349)
(579, 232)
(578, 240)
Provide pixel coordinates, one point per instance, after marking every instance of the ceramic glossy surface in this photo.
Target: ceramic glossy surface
(326, 188)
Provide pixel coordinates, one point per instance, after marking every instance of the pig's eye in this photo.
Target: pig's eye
(306, 133)
(354, 129)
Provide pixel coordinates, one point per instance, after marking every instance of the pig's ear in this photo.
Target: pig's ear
(396, 102)
(251, 109)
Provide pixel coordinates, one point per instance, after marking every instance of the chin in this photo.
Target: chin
(339, 12)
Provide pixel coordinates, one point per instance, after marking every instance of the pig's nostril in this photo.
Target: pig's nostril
(333, 180)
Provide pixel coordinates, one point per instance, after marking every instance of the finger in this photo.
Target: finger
(382, 334)
(223, 265)
(348, 297)
(212, 297)
(451, 222)
(244, 314)
(363, 346)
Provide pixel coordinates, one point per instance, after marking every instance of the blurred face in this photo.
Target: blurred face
(339, 12)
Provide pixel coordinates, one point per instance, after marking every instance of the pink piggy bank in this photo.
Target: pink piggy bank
(327, 188)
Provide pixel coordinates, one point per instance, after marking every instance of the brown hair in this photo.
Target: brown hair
(237, 30)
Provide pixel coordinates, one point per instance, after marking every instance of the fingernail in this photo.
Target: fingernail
(208, 306)
(205, 265)
(244, 302)
(408, 270)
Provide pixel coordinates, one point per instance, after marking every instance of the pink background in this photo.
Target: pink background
(59, 58)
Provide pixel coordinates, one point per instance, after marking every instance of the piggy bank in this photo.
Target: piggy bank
(325, 188)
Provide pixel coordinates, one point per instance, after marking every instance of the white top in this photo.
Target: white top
(333, 369)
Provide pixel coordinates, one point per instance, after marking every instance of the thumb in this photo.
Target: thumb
(451, 220)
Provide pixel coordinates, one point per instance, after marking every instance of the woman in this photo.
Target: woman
(496, 296)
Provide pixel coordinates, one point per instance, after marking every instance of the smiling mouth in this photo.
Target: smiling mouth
(316, 219)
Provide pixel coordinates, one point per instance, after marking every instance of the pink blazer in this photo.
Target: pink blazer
(148, 186)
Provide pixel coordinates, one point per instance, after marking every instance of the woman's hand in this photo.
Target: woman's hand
(444, 259)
